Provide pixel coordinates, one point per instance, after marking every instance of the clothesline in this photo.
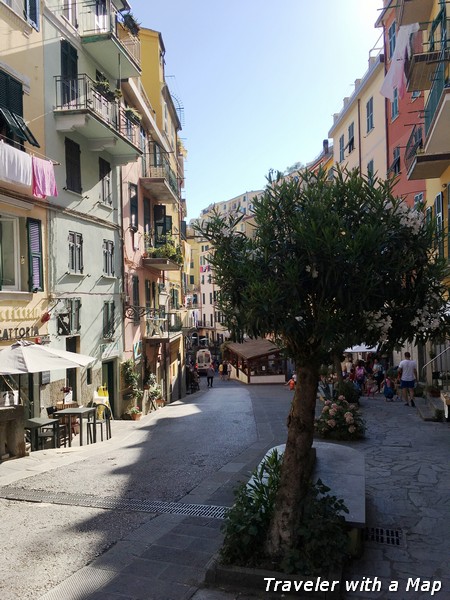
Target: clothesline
(54, 162)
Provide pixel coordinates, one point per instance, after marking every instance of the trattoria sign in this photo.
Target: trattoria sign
(14, 331)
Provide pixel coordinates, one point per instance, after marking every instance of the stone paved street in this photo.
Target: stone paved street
(73, 542)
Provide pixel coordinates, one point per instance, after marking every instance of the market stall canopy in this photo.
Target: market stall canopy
(361, 348)
(27, 357)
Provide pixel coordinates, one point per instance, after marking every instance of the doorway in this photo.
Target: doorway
(108, 380)
(71, 374)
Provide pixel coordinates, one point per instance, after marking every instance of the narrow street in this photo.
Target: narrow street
(163, 457)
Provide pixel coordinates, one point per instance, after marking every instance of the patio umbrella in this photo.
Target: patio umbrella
(27, 357)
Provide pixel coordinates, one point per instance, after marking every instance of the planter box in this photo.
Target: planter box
(263, 584)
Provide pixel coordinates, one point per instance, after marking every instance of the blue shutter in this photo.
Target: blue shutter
(36, 282)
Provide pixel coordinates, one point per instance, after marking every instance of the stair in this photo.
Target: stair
(427, 407)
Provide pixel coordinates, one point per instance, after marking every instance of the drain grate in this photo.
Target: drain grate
(380, 535)
(129, 504)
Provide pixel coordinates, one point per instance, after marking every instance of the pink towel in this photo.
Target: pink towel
(44, 183)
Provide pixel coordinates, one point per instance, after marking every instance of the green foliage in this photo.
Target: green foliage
(318, 246)
(131, 378)
(322, 538)
(340, 420)
(247, 522)
(348, 390)
(169, 249)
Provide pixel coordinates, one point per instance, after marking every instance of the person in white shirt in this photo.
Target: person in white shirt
(407, 372)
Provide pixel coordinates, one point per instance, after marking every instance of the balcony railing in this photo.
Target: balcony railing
(157, 166)
(156, 323)
(414, 144)
(81, 94)
(435, 95)
(97, 20)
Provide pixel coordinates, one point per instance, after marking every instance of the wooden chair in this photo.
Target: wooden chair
(63, 428)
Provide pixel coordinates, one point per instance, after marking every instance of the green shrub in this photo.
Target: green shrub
(322, 539)
(323, 542)
(247, 522)
(349, 391)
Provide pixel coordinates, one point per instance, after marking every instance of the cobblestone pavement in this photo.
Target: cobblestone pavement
(162, 555)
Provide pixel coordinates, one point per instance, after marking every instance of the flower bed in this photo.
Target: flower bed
(340, 420)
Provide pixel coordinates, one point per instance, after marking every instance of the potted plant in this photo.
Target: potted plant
(169, 249)
(133, 115)
(131, 23)
(131, 380)
(135, 413)
(155, 392)
(104, 88)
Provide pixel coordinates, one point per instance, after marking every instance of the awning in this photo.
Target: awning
(253, 348)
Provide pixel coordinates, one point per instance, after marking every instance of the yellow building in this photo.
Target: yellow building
(24, 271)
(358, 130)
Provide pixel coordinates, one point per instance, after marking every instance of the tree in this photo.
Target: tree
(331, 264)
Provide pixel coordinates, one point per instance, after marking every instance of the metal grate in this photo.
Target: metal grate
(137, 505)
(380, 535)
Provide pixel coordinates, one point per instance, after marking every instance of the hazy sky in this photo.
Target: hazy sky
(259, 82)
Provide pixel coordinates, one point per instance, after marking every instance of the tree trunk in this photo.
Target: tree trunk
(337, 366)
(296, 468)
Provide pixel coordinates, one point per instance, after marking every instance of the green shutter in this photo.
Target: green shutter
(36, 281)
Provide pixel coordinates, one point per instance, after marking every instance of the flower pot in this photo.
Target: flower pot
(136, 416)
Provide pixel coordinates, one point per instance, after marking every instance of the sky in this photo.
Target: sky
(259, 82)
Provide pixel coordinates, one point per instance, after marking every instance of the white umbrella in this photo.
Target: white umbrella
(27, 357)
(361, 348)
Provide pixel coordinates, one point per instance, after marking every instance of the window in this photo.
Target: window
(68, 318)
(418, 200)
(14, 248)
(70, 11)
(163, 224)
(108, 258)
(191, 280)
(134, 217)
(13, 129)
(395, 167)
(36, 279)
(31, 13)
(439, 224)
(210, 298)
(370, 172)
(351, 137)
(341, 148)
(394, 105)
(369, 115)
(391, 39)
(108, 319)
(415, 94)
(135, 288)
(73, 166)
(104, 172)
(75, 252)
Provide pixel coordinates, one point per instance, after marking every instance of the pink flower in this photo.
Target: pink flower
(331, 423)
(347, 415)
(349, 419)
(327, 402)
(325, 409)
(333, 412)
(352, 429)
(335, 406)
(341, 397)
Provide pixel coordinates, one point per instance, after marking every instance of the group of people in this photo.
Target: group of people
(370, 378)
(225, 370)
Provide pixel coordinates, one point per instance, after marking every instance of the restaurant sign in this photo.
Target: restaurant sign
(15, 331)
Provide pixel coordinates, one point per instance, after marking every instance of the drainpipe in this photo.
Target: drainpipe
(359, 138)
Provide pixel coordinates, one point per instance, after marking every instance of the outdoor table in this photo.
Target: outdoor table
(35, 424)
(88, 412)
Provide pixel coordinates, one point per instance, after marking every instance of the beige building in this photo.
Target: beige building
(358, 130)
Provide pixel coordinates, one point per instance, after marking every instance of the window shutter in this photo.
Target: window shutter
(36, 283)
(31, 11)
(167, 225)
(1, 259)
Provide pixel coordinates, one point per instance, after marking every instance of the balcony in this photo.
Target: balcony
(437, 113)
(425, 57)
(413, 11)
(102, 121)
(159, 179)
(156, 325)
(106, 37)
(160, 263)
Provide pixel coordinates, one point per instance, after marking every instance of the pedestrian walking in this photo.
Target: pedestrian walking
(229, 370)
(210, 375)
(407, 373)
(221, 371)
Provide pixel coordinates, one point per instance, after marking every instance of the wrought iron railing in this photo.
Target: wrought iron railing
(435, 96)
(414, 144)
(157, 165)
(82, 93)
(96, 18)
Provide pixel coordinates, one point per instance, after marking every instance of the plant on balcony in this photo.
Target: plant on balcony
(154, 388)
(104, 88)
(133, 115)
(169, 249)
(131, 23)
